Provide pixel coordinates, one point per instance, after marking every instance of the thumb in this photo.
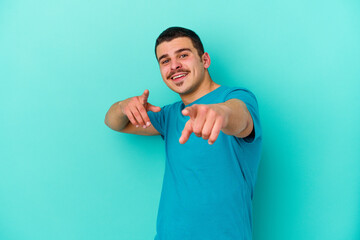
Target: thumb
(189, 111)
(144, 97)
(153, 108)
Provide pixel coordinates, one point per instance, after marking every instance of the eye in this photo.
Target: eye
(165, 61)
(183, 55)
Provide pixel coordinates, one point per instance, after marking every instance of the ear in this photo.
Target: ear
(206, 60)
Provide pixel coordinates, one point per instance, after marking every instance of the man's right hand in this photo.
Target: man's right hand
(135, 108)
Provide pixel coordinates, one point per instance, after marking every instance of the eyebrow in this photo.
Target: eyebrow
(177, 51)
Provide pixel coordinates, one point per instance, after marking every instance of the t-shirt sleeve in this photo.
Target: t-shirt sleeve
(251, 103)
(157, 119)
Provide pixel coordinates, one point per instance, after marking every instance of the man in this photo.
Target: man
(209, 175)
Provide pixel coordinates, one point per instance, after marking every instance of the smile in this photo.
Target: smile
(179, 76)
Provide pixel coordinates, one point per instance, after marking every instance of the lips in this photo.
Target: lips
(179, 76)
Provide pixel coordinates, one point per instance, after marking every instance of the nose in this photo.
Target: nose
(175, 64)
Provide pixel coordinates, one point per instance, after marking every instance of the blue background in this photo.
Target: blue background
(65, 175)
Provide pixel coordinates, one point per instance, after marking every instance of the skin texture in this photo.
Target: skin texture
(130, 115)
(206, 121)
(136, 108)
(178, 57)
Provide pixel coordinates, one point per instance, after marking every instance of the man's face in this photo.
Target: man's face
(181, 67)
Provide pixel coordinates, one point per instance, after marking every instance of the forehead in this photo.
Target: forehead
(173, 45)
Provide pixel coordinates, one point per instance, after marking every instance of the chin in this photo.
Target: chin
(180, 88)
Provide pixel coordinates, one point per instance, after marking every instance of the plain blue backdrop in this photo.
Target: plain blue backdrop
(65, 175)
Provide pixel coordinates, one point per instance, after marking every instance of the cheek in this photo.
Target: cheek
(163, 73)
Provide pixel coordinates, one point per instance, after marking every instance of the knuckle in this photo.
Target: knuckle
(125, 110)
(206, 132)
(189, 123)
(212, 112)
(220, 119)
(136, 114)
(136, 100)
(203, 108)
(132, 120)
(130, 105)
(142, 110)
(129, 116)
(197, 130)
(205, 135)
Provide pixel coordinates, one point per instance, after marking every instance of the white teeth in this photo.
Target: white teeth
(178, 76)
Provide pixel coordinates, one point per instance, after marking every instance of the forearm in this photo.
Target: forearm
(239, 122)
(115, 118)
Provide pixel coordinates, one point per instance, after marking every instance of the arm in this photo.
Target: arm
(206, 121)
(240, 123)
(130, 116)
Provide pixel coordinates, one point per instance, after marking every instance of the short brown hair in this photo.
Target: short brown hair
(176, 32)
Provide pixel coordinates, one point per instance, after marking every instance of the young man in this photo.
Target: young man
(209, 175)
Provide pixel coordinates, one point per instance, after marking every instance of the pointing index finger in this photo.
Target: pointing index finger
(186, 132)
(145, 96)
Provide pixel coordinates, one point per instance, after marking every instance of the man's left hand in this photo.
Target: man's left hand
(205, 121)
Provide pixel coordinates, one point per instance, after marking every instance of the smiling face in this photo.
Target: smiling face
(181, 67)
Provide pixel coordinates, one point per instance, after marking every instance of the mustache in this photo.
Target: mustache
(176, 71)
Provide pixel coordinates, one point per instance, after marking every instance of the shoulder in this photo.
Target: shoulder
(241, 93)
(228, 90)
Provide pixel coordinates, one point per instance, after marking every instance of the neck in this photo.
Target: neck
(206, 86)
